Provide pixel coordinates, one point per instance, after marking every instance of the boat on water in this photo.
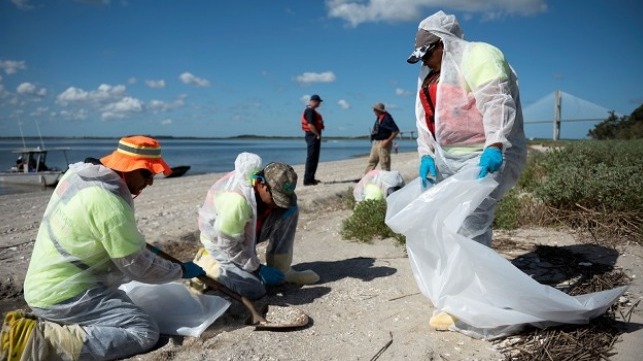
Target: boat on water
(178, 171)
(31, 168)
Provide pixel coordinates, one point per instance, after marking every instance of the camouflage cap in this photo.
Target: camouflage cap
(282, 180)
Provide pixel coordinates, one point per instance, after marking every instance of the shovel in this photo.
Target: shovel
(284, 317)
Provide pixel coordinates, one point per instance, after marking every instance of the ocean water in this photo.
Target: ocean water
(202, 155)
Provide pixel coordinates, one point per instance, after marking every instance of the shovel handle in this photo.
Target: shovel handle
(257, 318)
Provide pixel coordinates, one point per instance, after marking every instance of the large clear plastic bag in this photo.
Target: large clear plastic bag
(176, 310)
(487, 294)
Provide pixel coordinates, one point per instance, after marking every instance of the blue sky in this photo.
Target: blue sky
(225, 68)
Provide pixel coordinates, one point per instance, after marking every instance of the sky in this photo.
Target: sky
(225, 68)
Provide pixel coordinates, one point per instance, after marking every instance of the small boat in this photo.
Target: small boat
(178, 171)
(31, 168)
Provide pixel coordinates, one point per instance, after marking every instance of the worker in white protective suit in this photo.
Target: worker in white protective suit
(468, 113)
(87, 246)
(377, 185)
(245, 207)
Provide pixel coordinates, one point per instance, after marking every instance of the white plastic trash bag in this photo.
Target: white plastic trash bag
(487, 294)
(176, 310)
(377, 184)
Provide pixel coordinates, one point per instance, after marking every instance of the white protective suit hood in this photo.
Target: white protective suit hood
(477, 102)
(440, 23)
(214, 235)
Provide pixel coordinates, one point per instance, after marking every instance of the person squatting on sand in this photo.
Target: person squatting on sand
(377, 185)
(245, 207)
(88, 245)
(468, 112)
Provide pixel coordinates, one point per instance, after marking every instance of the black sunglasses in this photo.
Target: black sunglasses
(146, 174)
(260, 176)
(429, 49)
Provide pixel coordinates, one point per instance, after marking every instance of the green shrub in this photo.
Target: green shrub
(596, 186)
(508, 211)
(367, 223)
(598, 175)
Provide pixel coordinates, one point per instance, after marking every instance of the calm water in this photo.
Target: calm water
(202, 155)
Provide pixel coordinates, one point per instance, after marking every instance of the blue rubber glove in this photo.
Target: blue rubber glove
(191, 270)
(428, 172)
(490, 161)
(271, 276)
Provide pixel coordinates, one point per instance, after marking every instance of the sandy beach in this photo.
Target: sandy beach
(366, 306)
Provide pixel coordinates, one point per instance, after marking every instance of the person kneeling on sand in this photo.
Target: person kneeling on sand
(377, 185)
(87, 245)
(245, 207)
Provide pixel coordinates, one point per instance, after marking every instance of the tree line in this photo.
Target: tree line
(624, 127)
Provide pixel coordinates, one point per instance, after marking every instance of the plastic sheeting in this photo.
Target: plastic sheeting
(176, 310)
(488, 295)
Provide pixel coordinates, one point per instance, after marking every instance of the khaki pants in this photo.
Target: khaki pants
(379, 154)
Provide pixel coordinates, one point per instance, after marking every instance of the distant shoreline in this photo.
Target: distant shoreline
(236, 137)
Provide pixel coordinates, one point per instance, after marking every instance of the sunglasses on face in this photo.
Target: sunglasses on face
(429, 49)
(261, 178)
(146, 174)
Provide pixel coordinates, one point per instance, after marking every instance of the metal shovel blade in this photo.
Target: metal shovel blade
(283, 317)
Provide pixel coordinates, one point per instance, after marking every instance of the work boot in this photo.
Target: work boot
(209, 265)
(66, 341)
(283, 262)
(442, 321)
(16, 332)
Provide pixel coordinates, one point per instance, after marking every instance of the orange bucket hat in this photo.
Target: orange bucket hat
(137, 152)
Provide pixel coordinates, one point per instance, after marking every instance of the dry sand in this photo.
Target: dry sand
(367, 297)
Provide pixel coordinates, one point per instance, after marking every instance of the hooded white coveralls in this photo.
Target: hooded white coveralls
(228, 225)
(478, 104)
(88, 245)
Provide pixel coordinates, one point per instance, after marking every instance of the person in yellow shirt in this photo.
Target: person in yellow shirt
(87, 245)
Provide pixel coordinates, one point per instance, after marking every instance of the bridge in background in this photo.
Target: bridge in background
(568, 115)
(561, 109)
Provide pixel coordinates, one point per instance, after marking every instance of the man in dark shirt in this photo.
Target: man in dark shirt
(312, 124)
(382, 135)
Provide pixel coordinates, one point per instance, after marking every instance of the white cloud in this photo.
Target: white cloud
(40, 111)
(104, 93)
(161, 106)
(343, 104)
(155, 84)
(30, 89)
(402, 93)
(78, 114)
(95, 2)
(356, 12)
(26, 88)
(122, 108)
(190, 79)
(166, 121)
(132, 81)
(158, 105)
(12, 66)
(22, 4)
(308, 78)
